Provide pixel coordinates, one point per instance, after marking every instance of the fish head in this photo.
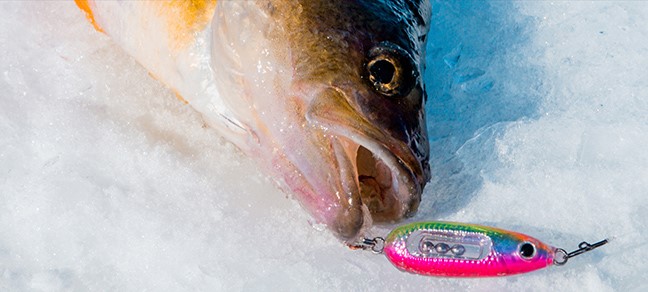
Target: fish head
(332, 94)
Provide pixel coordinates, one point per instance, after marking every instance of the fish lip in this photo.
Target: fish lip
(347, 132)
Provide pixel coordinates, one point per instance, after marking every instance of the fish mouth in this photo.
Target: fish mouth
(386, 188)
(379, 179)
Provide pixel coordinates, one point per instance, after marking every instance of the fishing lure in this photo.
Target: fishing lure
(450, 249)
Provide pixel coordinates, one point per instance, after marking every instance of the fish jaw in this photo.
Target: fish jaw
(344, 171)
(379, 179)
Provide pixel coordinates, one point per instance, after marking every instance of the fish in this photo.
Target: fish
(326, 96)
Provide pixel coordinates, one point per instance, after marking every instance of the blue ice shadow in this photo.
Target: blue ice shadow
(479, 79)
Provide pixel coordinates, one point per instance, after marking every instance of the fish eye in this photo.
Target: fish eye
(389, 70)
(381, 71)
(527, 250)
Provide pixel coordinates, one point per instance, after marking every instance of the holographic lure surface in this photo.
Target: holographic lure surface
(450, 249)
(464, 250)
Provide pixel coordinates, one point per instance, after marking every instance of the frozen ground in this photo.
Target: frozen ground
(538, 118)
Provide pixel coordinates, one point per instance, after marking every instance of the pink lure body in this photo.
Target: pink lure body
(464, 250)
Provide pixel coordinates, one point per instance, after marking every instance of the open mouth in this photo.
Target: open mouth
(386, 188)
(378, 177)
(376, 184)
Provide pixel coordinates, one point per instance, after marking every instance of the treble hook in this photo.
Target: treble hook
(562, 256)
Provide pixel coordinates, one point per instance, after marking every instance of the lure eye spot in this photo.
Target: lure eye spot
(527, 250)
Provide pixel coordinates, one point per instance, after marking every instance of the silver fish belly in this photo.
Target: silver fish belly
(327, 96)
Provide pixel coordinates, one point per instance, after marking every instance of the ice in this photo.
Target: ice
(537, 117)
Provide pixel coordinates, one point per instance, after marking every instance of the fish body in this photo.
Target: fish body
(326, 96)
(451, 249)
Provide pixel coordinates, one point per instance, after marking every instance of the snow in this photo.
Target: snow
(537, 119)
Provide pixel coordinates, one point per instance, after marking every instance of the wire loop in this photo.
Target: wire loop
(376, 245)
(561, 256)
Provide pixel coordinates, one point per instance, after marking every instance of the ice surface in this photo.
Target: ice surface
(538, 119)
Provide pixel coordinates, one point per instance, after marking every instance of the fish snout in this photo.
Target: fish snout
(380, 177)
